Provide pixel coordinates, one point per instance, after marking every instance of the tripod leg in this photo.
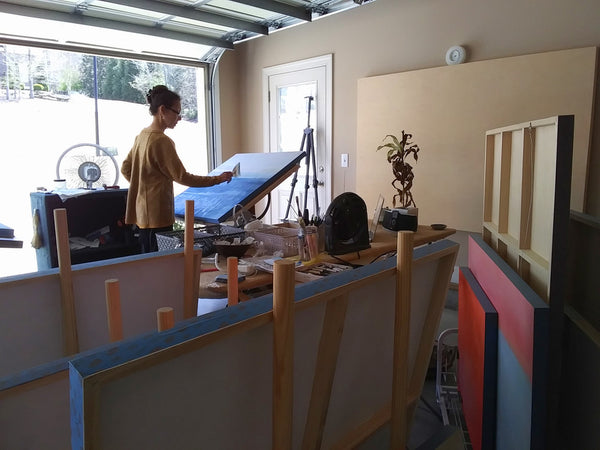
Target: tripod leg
(289, 203)
(307, 132)
(314, 170)
(294, 179)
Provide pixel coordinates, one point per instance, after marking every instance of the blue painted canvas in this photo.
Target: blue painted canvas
(258, 172)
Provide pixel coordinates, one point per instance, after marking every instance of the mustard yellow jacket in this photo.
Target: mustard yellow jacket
(151, 167)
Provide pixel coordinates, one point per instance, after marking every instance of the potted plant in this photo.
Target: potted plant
(398, 152)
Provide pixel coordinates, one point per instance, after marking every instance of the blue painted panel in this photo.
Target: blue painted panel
(524, 320)
(258, 171)
(76, 398)
(215, 203)
(513, 415)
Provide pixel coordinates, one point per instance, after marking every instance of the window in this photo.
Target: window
(51, 100)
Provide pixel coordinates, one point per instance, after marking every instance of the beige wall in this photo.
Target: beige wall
(390, 36)
(450, 110)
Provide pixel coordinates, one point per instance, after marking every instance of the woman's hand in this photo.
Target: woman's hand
(226, 176)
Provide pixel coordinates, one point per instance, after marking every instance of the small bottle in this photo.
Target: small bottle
(60, 184)
(302, 251)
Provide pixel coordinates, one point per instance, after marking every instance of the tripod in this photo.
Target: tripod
(308, 147)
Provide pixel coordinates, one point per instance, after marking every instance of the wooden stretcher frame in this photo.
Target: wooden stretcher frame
(526, 196)
(93, 377)
(45, 337)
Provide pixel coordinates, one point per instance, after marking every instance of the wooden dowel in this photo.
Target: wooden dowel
(165, 318)
(232, 281)
(190, 307)
(113, 309)
(69, 319)
(283, 353)
(400, 375)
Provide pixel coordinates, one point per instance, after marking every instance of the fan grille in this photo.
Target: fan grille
(87, 166)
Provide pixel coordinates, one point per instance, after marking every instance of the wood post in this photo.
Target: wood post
(113, 310)
(69, 319)
(400, 375)
(232, 281)
(283, 353)
(164, 318)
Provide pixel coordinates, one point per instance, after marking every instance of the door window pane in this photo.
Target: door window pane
(293, 115)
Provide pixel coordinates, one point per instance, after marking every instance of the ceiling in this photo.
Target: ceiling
(203, 29)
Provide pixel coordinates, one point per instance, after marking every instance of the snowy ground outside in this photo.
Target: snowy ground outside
(35, 132)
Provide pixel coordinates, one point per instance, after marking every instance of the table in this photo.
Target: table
(7, 238)
(385, 241)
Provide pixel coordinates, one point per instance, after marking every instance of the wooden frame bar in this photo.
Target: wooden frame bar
(113, 309)
(69, 319)
(329, 346)
(400, 376)
(283, 353)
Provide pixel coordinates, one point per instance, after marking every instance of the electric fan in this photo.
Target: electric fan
(346, 225)
(87, 166)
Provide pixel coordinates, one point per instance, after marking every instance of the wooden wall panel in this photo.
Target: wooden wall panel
(448, 110)
(35, 414)
(32, 302)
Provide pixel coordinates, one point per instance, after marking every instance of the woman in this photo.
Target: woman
(151, 167)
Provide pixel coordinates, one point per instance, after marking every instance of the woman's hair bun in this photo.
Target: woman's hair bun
(161, 95)
(155, 91)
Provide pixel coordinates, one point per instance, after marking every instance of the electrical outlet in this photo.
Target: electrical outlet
(344, 159)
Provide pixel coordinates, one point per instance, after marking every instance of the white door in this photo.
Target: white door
(291, 126)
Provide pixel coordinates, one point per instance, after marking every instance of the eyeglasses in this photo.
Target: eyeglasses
(174, 110)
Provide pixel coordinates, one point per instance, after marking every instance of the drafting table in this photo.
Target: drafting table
(260, 173)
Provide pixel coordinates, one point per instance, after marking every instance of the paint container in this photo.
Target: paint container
(312, 241)
(60, 184)
(302, 249)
